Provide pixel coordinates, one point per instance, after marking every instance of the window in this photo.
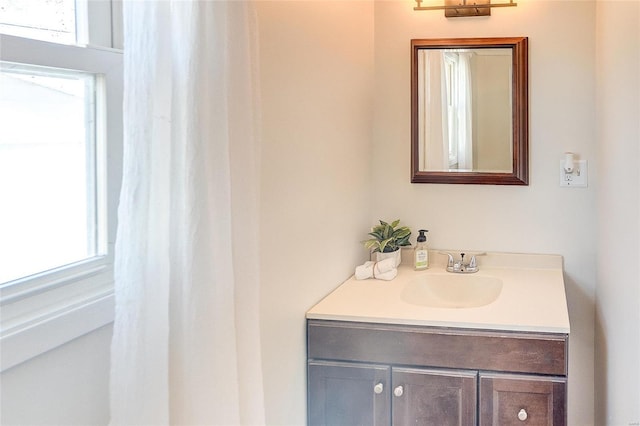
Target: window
(60, 155)
(48, 170)
(48, 20)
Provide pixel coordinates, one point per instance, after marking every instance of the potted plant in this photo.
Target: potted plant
(386, 240)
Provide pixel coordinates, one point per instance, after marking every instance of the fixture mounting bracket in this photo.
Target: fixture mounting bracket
(464, 8)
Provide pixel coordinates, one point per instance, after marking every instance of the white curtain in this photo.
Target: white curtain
(432, 104)
(464, 112)
(186, 344)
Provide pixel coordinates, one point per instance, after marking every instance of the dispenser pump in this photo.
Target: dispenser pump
(421, 253)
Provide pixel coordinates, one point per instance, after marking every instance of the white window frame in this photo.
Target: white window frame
(451, 65)
(41, 312)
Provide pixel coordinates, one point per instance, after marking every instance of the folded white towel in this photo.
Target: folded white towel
(383, 270)
(387, 276)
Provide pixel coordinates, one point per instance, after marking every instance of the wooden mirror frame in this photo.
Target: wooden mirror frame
(520, 113)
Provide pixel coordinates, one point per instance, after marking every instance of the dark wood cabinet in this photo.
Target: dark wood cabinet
(510, 399)
(351, 394)
(384, 374)
(433, 397)
(345, 394)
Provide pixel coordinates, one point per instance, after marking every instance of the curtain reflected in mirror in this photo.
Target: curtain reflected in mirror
(464, 101)
(469, 121)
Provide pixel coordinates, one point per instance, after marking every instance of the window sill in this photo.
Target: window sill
(42, 313)
(55, 330)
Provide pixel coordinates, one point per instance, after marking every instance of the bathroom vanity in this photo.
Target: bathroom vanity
(422, 350)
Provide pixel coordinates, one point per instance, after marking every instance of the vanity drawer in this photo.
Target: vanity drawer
(517, 352)
(517, 399)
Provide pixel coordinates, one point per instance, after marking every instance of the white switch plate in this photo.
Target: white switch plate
(576, 179)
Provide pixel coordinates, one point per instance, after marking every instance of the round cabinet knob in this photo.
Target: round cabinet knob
(522, 414)
(398, 391)
(378, 388)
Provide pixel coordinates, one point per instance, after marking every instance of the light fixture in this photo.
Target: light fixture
(460, 8)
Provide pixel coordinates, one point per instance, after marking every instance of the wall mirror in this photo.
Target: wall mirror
(469, 111)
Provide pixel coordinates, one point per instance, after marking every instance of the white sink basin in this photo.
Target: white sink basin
(452, 290)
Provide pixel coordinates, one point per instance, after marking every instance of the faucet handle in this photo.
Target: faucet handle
(473, 263)
(449, 260)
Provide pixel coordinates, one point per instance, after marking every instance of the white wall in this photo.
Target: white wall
(539, 218)
(492, 112)
(316, 62)
(66, 386)
(618, 290)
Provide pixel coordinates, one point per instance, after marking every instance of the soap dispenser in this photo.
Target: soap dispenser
(421, 253)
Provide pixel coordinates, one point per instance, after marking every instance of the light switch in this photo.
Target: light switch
(577, 178)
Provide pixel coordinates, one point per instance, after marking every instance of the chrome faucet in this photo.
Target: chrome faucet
(460, 267)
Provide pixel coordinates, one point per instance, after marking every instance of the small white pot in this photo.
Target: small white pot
(394, 254)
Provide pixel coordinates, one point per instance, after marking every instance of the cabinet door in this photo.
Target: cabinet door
(522, 400)
(434, 397)
(348, 394)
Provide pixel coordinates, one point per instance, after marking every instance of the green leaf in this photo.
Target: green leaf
(402, 232)
(383, 245)
(373, 245)
(377, 235)
(403, 241)
(388, 231)
(395, 223)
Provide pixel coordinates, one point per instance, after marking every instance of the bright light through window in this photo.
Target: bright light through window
(48, 20)
(49, 215)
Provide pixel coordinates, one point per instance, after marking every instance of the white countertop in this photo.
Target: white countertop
(532, 299)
